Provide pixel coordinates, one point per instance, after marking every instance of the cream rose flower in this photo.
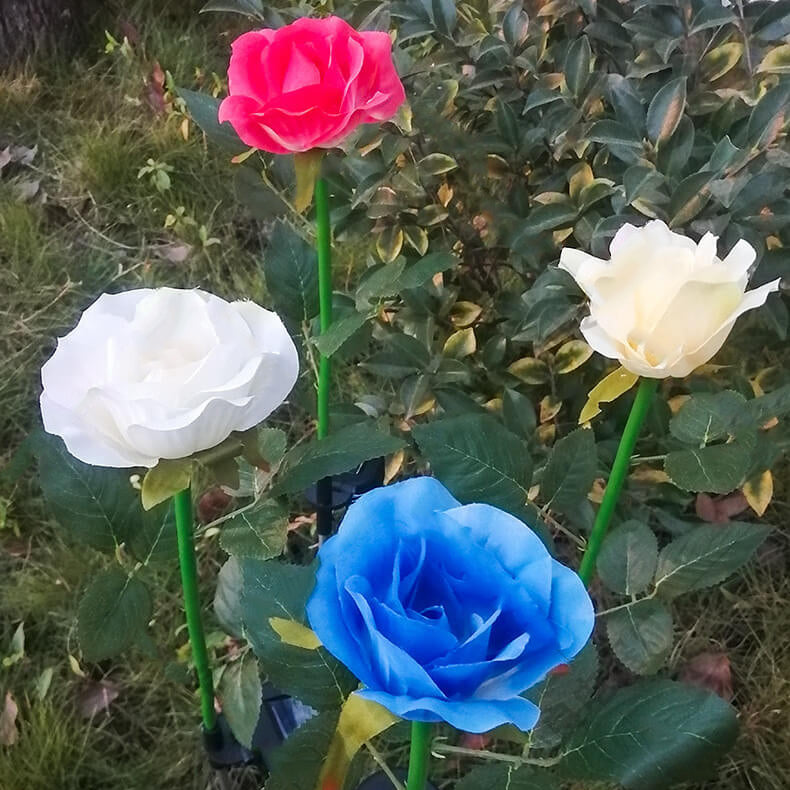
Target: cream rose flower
(663, 305)
(163, 373)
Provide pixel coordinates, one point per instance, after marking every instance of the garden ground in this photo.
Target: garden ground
(109, 185)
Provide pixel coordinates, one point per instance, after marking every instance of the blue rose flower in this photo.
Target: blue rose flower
(446, 612)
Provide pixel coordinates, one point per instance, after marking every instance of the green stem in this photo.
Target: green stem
(324, 246)
(182, 502)
(644, 397)
(418, 755)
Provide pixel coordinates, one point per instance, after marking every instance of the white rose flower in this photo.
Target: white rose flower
(663, 305)
(163, 373)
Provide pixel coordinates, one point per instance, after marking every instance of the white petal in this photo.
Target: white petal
(739, 259)
(584, 268)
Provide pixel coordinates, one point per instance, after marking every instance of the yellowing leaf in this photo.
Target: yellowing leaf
(389, 243)
(360, 720)
(165, 479)
(529, 370)
(549, 408)
(580, 176)
(464, 314)
(759, 492)
(676, 402)
(394, 465)
(460, 344)
(777, 61)
(605, 391)
(571, 355)
(307, 167)
(293, 633)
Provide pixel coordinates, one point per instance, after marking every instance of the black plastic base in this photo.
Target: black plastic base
(349, 485)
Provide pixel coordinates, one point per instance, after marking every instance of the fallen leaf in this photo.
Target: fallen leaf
(9, 733)
(23, 155)
(720, 510)
(96, 696)
(471, 740)
(175, 253)
(129, 32)
(27, 189)
(155, 91)
(710, 671)
(759, 491)
(213, 504)
(5, 157)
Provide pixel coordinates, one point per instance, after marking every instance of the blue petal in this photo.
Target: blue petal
(572, 610)
(519, 550)
(396, 670)
(471, 715)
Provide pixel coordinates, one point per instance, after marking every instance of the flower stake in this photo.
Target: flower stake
(302, 89)
(160, 378)
(663, 305)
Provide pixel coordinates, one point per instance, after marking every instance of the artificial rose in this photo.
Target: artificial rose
(443, 611)
(163, 373)
(663, 305)
(309, 84)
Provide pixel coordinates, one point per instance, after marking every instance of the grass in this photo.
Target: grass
(101, 227)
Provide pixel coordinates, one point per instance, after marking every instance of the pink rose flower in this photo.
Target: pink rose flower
(309, 84)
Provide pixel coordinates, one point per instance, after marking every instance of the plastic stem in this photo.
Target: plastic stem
(324, 249)
(418, 755)
(644, 397)
(182, 502)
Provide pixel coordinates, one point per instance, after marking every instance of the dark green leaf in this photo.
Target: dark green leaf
(425, 269)
(478, 459)
(113, 614)
(338, 333)
(628, 558)
(518, 413)
(240, 693)
(628, 106)
(651, 735)
(640, 180)
(717, 469)
(713, 15)
(444, 16)
(515, 25)
(561, 696)
(253, 8)
(256, 196)
(547, 217)
(276, 589)
(341, 451)
(666, 110)
(155, 538)
(577, 65)
(258, 532)
(707, 417)
(689, 198)
(570, 472)
(203, 109)
(641, 635)
(404, 355)
(493, 776)
(773, 404)
(706, 556)
(436, 164)
(613, 133)
(768, 116)
(291, 272)
(97, 505)
(296, 764)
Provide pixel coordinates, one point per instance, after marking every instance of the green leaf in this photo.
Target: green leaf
(261, 590)
(641, 635)
(165, 480)
(296, 763)
(518, 413)
(717, 469)
(689, 198)
(651, 735)
(331, 341)
(628, 558)
(530, 370)
(425, 269)
(709, 16)
(240, 692)
(445, 16)
(97, 505)
(707, 416)
(478, 459)
(706, 556)
(613, 133)
(547, 217)
(491, 776)
(113, 614)
(515, 25)
(774, 23)
(258, 532)
(155, 539)
(436, 164)
(403, 355)
(339, 452)
(577, 65)
(570, 472)
(640, 180)
(773, 404)
(253, 8)
(381, 282)
(561, 696)
(262, 202)
(666, 110)
(203, 109)
(768, 117)
(291, 272)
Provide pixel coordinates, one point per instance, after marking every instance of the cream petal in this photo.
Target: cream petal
(584, 268)
(739, 260)
(705, 254)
